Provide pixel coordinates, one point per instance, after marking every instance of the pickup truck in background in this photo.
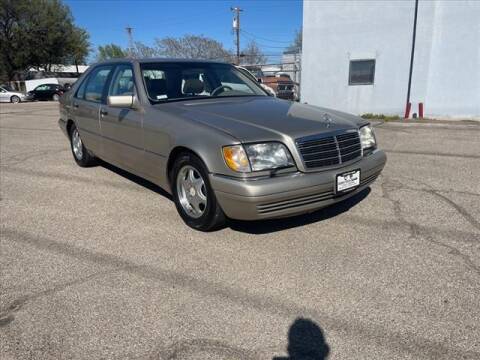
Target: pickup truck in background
(281, 83)
(283, 86)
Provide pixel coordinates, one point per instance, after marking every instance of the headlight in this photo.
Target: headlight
(367, 137)
(258, 157)
(268, 156)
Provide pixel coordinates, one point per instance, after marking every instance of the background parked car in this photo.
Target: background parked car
(247, 72)
(7, 94)
(281, 84)
(46, 92)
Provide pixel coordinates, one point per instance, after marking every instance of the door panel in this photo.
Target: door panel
(86, 115)
(4, 95)
(122, 128)
(86, 107)
(122, 136)
(40, 92)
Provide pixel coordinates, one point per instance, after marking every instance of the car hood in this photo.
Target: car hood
(264, 118)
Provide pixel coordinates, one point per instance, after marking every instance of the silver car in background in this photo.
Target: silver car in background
(7, 94)
(215, 140)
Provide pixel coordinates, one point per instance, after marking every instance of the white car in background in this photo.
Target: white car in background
(7, 94)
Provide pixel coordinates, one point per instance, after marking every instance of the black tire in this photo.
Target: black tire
(15, 99)
(83, 158)
(213, 217)
(55, 97)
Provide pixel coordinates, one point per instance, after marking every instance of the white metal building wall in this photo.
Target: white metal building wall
(446, 72)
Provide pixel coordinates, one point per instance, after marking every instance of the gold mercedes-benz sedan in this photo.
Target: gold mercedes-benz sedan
(213, 138)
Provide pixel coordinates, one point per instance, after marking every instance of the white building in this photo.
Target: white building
(356, 56)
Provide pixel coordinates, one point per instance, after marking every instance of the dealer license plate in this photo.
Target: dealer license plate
(348, 180)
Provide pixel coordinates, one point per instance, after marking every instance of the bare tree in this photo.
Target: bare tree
(144, 51)
(252, 54)
(192, 47)
(296, 45)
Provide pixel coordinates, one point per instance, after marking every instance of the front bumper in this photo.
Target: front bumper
(286, 95)
(291, 194)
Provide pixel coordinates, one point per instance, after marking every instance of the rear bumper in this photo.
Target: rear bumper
(291, 194)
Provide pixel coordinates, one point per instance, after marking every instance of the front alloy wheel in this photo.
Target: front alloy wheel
(14, 99)
(193, 195)
(191, 191)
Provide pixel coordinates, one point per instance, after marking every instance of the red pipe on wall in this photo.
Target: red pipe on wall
(408, 107)
(420, 110)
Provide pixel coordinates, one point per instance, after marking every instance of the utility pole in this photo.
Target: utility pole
(236, 28)
(130, 41)
(412, 54)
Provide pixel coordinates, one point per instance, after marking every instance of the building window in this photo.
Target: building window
(362, 72)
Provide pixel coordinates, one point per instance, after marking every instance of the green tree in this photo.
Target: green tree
(80, 47)
(38, 33)
(13, 56)
(110, 51)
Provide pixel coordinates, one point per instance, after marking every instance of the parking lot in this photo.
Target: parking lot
(96, 264)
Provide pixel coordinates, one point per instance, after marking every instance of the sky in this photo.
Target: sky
(271, 23)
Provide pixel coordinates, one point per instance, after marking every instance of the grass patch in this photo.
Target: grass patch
(381, 117)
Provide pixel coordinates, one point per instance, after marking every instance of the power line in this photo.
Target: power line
(265, 39)
(263, 45)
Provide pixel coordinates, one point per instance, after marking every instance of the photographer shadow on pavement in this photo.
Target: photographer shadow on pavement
(305, 342)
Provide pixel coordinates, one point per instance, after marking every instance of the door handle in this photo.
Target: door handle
(103, 112)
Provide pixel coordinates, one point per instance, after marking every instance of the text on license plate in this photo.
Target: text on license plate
(348, 180)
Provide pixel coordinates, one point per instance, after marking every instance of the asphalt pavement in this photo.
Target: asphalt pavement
(96, 264)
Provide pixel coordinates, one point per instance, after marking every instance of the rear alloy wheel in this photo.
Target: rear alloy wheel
(193, 195)
(14, 99)
(80, 153)
(55, 97)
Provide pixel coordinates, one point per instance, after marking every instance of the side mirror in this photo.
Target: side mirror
(122, 101)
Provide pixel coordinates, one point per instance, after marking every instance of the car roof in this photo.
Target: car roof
(157, 60)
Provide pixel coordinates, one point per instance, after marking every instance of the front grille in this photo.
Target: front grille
(324, 151)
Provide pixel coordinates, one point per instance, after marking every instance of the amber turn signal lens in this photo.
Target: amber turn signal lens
(236, 158)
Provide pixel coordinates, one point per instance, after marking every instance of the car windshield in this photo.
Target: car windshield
(186, 81)
(7, 87)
